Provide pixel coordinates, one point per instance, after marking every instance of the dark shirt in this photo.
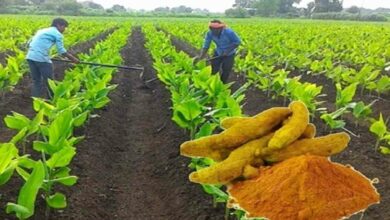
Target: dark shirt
(225, 41)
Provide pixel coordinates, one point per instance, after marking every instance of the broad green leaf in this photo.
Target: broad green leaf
(7, 153)
(216, 191)
(39, 104)
(80, 119)
(62, 158)
(28, 193)
(361, 110)
(26, 162)
(67, 181)
(101, 102)
(36, 122)
(385, 150)
(18, 209)
(57, 201)
(61, 127)
(206, 129)
(19, 136)
(23, 173)
(43, 146)
(379, 127)
(7, 173)
(345, 96)
(17, 121)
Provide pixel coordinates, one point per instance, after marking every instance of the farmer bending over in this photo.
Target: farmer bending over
(41, 67)
(227, 42)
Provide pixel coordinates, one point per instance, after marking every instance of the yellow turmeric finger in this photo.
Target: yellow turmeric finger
(293, 129)
(204, 151)
(236, 135)
(286, 121)
(233, 166)
(218, 174)
(221, 154)
(322, 146)
(230, 121)
(310, 131)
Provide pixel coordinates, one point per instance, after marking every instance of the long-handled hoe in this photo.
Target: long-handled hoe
(139, 68)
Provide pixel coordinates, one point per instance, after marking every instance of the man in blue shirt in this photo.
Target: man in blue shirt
(38, 58)
(227, 42)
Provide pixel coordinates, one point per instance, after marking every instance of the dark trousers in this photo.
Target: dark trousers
(224, 65)
(40, 73)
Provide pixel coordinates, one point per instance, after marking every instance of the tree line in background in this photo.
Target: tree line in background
(317, 9)
(268, 8)
(72, 7)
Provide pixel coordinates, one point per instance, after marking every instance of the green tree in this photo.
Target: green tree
(162, 9)
(19, 2)
(353, 10)
(92, 5)
(286, 6)
(118, 8)
(181, 9)
(4, 3)
(237, 13)
(37, 2)
(244, 3)
(69, 7)
(328, 5)
(267, 8)
(310, 8)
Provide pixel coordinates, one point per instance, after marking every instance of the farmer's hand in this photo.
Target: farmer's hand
(75, 60)
(72, 58)
(197, 59)
(225, 54)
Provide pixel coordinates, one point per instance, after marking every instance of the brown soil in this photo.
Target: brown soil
(360, 153)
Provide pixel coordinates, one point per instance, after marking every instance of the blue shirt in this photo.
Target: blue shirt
(43, 40)
(224, 42)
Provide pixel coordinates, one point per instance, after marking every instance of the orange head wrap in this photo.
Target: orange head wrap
(217, 25)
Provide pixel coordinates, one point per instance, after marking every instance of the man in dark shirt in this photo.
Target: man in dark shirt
(227, 42)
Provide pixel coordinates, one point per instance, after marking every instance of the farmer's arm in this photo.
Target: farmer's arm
(61, 49)
(236, 41)
(71, 57)
(206, 45)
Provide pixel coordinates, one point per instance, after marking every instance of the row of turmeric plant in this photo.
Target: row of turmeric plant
(273, 77)
(15, 64)
(200, 100)
(48, 136)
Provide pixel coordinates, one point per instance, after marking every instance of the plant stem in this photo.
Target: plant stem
(192, 133)
(48, 191)
(353, 134)
(226, 212)
(214, 202)
(378, 141)
(24, 146)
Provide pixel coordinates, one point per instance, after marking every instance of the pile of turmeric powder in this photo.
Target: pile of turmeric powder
(304, 187)
(247, 143)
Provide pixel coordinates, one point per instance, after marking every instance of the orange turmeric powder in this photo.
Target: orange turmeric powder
(304, 188)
